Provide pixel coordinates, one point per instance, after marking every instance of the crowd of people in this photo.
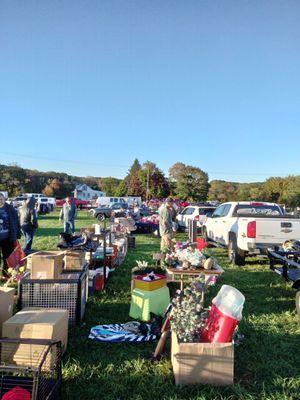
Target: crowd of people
(24, 221)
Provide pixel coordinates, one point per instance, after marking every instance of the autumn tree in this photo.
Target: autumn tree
(190, 183)
(154, 182)
(109, 185)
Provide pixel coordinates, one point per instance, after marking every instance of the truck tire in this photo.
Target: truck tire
(235, 255)
(101, 217)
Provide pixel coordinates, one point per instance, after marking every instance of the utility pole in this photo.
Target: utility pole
(147, 190)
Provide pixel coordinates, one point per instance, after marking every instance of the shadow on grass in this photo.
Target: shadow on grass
(49, 231)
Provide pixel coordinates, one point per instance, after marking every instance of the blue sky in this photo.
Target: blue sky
(87, 86)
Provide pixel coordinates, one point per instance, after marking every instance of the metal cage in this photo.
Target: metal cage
(68, 293)
(32, 366)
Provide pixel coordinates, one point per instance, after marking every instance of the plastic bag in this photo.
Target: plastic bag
(17, 256)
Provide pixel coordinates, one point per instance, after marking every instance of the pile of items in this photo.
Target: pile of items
(53, 291)
(202, 340)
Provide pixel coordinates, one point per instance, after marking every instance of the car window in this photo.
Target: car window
(190, 210)
(256, 209)
(111, 200)
(205, 211)
(184, 211)
(218, 211)
(226, 210)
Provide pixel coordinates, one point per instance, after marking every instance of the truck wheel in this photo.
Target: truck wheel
(235, 255)
(101, 217)
(298, 302)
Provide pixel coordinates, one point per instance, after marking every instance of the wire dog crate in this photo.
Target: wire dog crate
(30, 366)
(69, 292)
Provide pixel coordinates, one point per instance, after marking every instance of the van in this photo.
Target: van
(106, 201)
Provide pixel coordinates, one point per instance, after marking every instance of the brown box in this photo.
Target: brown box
(37, 323)
(202, 363)
(46, 264)
(6, 304)
(74, 260)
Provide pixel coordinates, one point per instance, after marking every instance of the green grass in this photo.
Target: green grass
(267, 364)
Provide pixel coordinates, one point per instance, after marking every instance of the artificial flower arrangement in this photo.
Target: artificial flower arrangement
(188, 316)
(15, 274)
(190, 256)
(142, 267)
(152, 219)
(186, 257)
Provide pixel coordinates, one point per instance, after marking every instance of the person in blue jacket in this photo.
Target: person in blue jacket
(68, 215)
(9, 231)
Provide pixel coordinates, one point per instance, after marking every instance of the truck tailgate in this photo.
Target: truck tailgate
(277, 230)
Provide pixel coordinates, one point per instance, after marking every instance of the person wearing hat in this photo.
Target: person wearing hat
(166, 224)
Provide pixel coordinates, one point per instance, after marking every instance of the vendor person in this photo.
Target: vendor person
(165, 224)
(9, 231)
(68, 215)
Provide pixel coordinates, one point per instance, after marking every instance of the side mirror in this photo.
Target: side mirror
(209, 214)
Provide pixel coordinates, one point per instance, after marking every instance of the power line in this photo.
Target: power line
(63, 161)
(94, 163)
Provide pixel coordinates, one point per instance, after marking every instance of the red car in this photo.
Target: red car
(78, 203)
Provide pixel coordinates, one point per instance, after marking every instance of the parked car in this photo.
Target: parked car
(18, 201)
(193, 212)
(250, 228)
(119, 210)
(45, 204)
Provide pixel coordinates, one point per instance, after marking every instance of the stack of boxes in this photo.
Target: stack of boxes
(57, 279)
(52, 296)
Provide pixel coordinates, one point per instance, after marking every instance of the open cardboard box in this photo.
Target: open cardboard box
(74, 260)
(202, 363)
(45, 264)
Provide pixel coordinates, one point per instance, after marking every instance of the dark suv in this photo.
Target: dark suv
(118, 209)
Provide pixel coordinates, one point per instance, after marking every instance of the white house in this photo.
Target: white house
(84, 192)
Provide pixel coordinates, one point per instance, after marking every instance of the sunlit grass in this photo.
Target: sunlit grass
(267, 362)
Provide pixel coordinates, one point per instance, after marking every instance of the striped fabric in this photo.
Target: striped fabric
(116, 333)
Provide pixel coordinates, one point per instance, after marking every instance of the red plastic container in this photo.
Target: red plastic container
(99, 282)
(201, 244)
(219, 327)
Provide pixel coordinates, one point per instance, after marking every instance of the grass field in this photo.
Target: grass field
(267, 363)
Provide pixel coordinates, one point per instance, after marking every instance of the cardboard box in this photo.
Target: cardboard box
(202, 363)
(74, 260)
(139, 283)
(6, 304)
(36, 323)
(46, 264)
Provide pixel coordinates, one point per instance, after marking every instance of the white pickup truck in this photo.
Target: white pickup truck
(249, 228)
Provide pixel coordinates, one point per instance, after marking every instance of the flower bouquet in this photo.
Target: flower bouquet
(188, 315)
(142, 268)
(15, 274)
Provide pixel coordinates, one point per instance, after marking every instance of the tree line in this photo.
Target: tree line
(148, 181)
